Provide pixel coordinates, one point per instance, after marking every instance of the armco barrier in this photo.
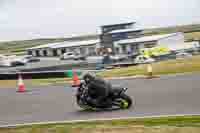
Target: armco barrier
(33, 75)
(62, 67)
(42, 74)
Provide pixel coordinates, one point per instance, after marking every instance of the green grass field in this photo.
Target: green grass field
(164, 67)
(192, 36)
(170, 29)
(178, 124)
(20, 46)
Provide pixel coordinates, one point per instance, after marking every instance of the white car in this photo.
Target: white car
(183, 55)
(18, 60)
(119, 57)
(67, 56)
(142, 60)
(79, 57)
(4, 61)
(9, 61)
(30, 58)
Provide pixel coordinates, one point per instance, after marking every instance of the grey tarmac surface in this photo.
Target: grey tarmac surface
(167, 95)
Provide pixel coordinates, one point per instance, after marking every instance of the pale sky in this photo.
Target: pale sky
(28, 19)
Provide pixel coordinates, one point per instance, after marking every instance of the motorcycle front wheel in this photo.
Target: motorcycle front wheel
(124, 102)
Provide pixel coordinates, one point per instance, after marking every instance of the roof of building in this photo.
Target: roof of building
(146, 38)
(76, 43)
(125, 30)
(66, 44)
(44, 46)
(111, 25)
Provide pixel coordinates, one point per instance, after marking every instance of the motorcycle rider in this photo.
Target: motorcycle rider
(98, 91)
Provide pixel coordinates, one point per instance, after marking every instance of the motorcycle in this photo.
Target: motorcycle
(117, 96)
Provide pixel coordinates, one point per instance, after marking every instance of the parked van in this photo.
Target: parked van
(72, 56)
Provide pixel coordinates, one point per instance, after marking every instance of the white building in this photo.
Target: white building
(86, 47)
(135, 44)
(174, 41)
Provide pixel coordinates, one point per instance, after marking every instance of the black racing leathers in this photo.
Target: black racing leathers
(98, 90)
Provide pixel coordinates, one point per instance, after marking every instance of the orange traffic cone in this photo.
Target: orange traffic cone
(21, 87)
(76, 81)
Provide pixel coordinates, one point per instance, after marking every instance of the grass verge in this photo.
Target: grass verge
(181, 124)
(164, 67)
(35, 82)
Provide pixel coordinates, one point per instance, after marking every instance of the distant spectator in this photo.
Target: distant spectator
(129, 52)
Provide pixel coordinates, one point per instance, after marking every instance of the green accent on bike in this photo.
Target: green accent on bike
(123, 104)
(88, 108)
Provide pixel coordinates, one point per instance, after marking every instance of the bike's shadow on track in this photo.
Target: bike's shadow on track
(98, 110)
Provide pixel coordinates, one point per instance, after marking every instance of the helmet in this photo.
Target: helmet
(88, 77)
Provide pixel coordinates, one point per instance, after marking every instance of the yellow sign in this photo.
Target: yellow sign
(148, 52)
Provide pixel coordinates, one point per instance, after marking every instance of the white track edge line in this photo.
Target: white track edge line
(91, 120)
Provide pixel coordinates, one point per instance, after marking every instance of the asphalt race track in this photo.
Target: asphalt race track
(167, 95)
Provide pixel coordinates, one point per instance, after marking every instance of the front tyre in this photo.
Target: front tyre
(125, 101)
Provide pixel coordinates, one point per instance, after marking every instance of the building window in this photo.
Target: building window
(55, 52)
(77, 51)
(37, 53)
(124, 48)
(117, 50)
(45, 52)
(63, 51)
(82, 51)
(134, 48)
(72, 49)
(30, 53)
(92, 51)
